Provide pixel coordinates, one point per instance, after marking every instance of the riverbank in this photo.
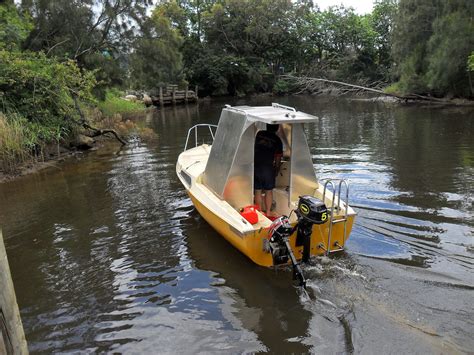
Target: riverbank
(19, 158)
(34, 167)
(53, 160)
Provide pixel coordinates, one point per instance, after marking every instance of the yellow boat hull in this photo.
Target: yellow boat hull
(253, 244)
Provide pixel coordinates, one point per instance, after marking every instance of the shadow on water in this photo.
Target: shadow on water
(109, 255)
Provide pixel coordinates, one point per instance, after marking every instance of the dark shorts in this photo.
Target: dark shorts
(264, 178)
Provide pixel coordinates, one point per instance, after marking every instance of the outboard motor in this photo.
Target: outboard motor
(310, 211)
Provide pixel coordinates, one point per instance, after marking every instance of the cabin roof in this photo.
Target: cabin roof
(274, 114)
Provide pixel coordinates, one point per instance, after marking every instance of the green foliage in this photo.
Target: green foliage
(245, 44)
(470, 62)
(226, 75)
(381, 20)
(95, 33)
(40, 89)
(275, 37)
(157, 58)
(393, 88)
(114, 103)
(260, 29)
(431, 43)
(14, 27)
(449, 46)
(281, 87)
(13, 141)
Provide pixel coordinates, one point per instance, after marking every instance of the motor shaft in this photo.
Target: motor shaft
(297, 272)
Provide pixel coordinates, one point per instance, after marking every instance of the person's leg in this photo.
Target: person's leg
(269, 202)
(258, 199)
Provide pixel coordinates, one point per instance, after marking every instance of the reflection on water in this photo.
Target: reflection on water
(108, 253)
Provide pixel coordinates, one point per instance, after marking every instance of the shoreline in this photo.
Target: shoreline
(32, 167)
(51, 158)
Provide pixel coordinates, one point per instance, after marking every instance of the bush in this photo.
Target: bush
(281, 87)
(40, 89)
(393, 89)
(38, 108)
(470, 62)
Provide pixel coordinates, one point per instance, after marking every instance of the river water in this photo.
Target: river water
(108, 254)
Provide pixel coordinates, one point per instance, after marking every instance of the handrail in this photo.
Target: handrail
(336, 191)
(195, 129)
(235, 109)
(277, 105)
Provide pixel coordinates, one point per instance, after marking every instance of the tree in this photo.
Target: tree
(381, 19)
(341, 44)
(156, 59)
(95, 33)
(448, 49)
(14, 27)
(194, 10)
(431, 43)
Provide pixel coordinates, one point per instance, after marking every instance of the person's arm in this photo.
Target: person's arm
(278, 155)
(277, 163)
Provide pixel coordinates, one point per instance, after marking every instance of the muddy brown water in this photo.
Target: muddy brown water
(108, 254)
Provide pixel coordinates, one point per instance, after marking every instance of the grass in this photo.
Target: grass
(114, 104)
(14, 138)
(122, 125)
(112, 113)
(23, 141)
(393, 89)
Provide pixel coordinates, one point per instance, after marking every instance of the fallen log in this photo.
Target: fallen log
(311, 84)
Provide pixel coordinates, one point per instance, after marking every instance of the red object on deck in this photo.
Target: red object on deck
(250, 213)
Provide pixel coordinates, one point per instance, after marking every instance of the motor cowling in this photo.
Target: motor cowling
(312, 209)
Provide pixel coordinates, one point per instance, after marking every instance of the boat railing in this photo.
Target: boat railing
(276, 105)
(337, 186)
(194, 129)
(235, 109)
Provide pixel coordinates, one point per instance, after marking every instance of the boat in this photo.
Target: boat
(218, 175)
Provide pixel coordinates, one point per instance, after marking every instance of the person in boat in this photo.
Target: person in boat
(267, 160)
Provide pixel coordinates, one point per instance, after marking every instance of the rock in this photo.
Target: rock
(83, 142)
(147, 100)
(131, 98)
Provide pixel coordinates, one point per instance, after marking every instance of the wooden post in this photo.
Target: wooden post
(196, 92)
(12, 336)
(161, 97)
(186, 94)
(173, 97)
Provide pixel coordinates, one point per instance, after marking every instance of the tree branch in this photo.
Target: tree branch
(96, 132)
(57, 44)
